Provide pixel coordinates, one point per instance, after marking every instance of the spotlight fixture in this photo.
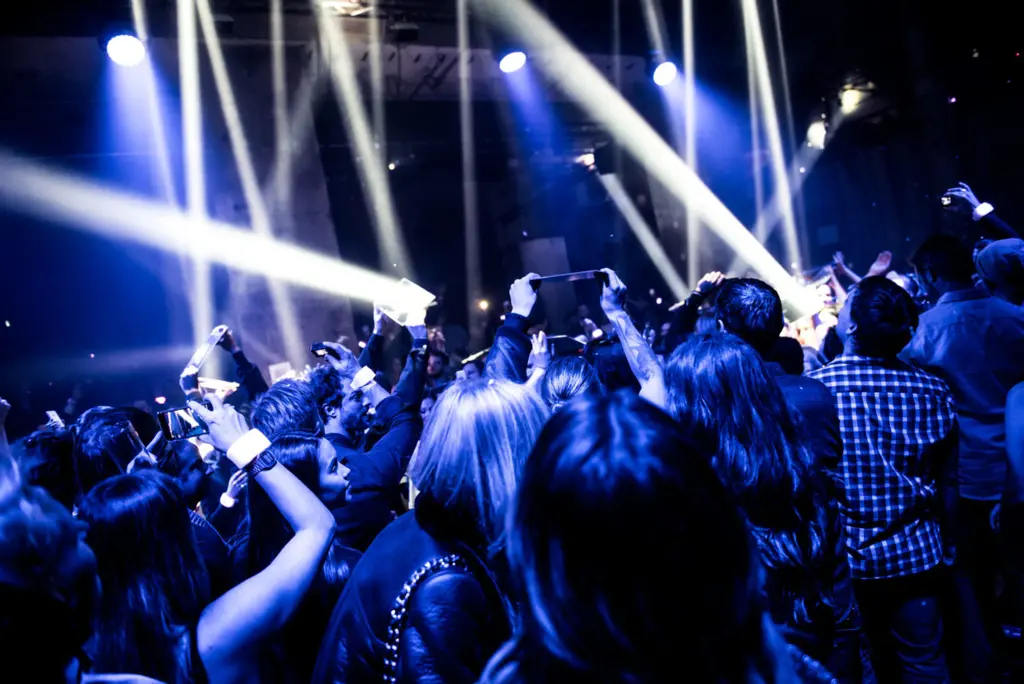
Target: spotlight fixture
(126, 50)
(816, 134)
(665, 73)
(512, 61)
(484, 305)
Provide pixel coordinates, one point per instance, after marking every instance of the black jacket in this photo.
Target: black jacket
(510, 352)
(456, 617)
(819, 417)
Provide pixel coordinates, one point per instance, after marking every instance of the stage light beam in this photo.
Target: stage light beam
(287, 320)
(369, 163)
(87, 206)
(644, 235)
(571, 72)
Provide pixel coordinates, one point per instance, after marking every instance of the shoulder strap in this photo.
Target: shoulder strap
(398, 612)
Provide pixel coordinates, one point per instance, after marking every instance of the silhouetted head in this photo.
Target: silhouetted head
(631, 556)
(752, 310)
(154, 581)
(943, 263)
(48, 583)
(880, 318)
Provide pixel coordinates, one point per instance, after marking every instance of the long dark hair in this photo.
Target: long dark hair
(617, 519)
(291, 656)
(268, 530)
(721, 393)
(154, 582)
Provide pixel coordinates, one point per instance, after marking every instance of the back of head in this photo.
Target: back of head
(48, 586)
(1001, 266)
(154, 581)
(752, 310)
(473, 448)
(106, 443)
(723, 395)
(788, 353)
(673, 579)
(288, 406)
(328, 387)
(46, 459)
(882, 318)
(568, 377)
(944, 257)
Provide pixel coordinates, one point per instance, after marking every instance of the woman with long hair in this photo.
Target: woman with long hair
(723, 395)
(632, 562)
(428, 600)
(153, 616)
(314, 461)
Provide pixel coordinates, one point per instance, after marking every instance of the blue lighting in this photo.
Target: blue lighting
(512, 62)
(126, 50)
(665, 73)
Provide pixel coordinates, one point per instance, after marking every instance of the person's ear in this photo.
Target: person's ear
(330, 411)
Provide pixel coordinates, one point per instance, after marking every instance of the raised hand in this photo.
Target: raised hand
(709, 283)
(237, 484)
(347, 364)
(226, 425)
(963, 199)
(881, 266)
(613, 294)
(523, 296)
(228, 342)
(540, 354)
(838, 263)
(380, 319)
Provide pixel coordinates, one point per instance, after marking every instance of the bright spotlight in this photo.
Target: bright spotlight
(126, 50)
(512, 62)
(850, 99)
(484, 305)
(160, 400)
(816, 134)
(665, 73)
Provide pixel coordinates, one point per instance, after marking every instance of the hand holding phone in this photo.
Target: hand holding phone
(321, 350)
(523, 295)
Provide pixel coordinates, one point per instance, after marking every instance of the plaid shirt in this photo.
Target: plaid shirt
(891, 417)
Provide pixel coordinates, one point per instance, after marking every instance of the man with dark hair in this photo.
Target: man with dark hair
(752, 310)
(899, 433)
(972, 341)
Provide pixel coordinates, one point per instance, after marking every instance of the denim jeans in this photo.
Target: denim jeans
(903, 623)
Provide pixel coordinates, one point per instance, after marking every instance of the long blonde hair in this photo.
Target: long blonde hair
(473, 448)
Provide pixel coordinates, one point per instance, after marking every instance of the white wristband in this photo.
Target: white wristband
(982, 210)
(227, 501)
(247, 448)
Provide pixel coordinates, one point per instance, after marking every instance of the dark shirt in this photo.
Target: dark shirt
(376, 470)
(975, 343)
(817, 409)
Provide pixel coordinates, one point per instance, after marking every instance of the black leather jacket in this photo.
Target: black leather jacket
(455, 619)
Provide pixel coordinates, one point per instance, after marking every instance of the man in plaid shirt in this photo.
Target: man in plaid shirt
(899, 433)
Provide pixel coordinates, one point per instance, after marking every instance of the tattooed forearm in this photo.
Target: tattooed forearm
(638, 353)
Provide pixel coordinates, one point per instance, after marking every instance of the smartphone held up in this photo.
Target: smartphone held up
(181, 423)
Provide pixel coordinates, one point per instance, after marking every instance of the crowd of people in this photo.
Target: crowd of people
(724, 498)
